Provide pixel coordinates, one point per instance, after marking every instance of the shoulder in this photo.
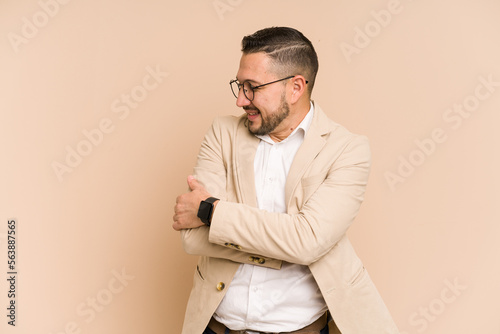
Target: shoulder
(228, 122)
(340, 145)
(334, 132)
(223, 126)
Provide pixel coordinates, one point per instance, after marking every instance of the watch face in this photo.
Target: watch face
(205, 211)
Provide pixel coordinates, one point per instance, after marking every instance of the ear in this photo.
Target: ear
(299, 88)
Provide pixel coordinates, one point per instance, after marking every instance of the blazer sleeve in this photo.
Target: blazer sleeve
(210, 171)
(312, 230)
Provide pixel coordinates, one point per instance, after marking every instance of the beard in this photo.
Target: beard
(271, 122)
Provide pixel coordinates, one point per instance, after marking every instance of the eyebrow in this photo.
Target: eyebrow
(249, 80)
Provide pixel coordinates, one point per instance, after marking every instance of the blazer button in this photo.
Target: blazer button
(258, 260)
(229, 244)
(221, 286)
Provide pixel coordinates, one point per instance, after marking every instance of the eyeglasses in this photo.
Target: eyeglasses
(248, 89)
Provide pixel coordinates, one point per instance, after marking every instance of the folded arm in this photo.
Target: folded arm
(210, 180)
(300, 236)
(304, 236)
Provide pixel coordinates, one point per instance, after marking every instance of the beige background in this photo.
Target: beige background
(64, 74)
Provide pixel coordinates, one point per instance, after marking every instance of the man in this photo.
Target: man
(273, 195)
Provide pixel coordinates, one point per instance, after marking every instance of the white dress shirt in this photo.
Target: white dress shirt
(264, 299)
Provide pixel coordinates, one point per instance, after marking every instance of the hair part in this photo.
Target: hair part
(289, 50)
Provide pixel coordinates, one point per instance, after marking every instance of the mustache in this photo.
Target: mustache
(250, 108)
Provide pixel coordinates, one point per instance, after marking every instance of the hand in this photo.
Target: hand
(187, 205)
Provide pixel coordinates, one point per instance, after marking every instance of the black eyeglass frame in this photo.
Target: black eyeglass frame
(252, 87)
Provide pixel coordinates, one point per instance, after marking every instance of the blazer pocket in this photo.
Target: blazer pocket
(313, 180)
(199, 274)
(358, 277)
(309, 185)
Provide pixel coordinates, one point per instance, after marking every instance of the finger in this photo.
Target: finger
(193, 183)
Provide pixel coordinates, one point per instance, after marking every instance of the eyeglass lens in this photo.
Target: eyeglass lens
(247, 89)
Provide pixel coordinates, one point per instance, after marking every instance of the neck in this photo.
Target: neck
(297, 113)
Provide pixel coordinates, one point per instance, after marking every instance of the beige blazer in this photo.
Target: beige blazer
(324, 190)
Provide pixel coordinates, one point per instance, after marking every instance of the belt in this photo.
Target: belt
(313, 328)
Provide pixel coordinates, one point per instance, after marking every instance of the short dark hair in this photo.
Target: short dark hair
(289, 50)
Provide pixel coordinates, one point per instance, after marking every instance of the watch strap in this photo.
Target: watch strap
(204, 212)
(211, 200)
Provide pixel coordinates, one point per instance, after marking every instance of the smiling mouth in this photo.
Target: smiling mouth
(252, 113)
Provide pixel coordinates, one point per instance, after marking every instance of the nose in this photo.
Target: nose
(242, 100)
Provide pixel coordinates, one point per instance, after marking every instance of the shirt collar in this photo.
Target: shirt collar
(303, 127)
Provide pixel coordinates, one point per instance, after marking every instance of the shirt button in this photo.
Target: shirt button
(221, 286)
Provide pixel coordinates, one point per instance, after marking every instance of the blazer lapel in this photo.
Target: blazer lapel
(245, 148)
(310, 148)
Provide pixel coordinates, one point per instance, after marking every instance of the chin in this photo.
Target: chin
(253, 127)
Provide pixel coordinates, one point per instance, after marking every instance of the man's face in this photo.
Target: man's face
(268, 112)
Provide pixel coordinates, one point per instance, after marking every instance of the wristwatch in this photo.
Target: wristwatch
(206, 209)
